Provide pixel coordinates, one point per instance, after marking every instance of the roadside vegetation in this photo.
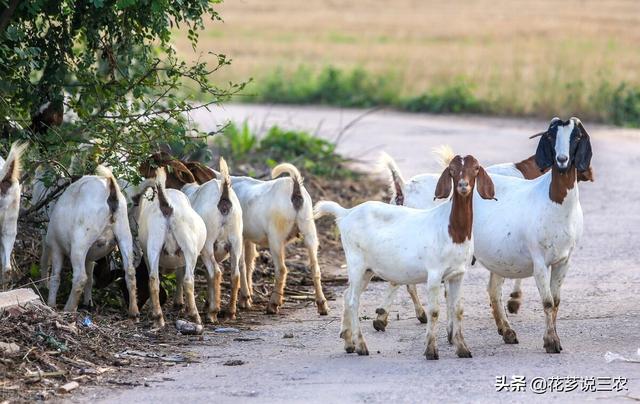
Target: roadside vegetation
(504, 58)
(618, 104)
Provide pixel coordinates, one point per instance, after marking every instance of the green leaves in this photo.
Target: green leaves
(113, 63)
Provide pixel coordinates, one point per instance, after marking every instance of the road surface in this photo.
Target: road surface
(600, 311)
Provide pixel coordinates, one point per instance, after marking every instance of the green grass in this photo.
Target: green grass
(313, 155)
(618, 104)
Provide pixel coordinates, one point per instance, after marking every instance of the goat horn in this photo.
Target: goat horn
(538, 134)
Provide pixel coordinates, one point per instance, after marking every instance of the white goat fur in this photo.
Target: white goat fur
(224, 233)
(9, 206)
(84, 228)
(170, 241)
(526, 234)
(418, 193)
(408, 246)
(269, 219)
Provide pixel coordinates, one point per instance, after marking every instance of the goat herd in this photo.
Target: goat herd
(525, 219)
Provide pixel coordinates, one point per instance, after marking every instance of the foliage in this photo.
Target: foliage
(599, 101)
(455, 98)
(314, 154)
(241, 146)
(111, 66)
(357, 88)
(331, 86)
(625, 105)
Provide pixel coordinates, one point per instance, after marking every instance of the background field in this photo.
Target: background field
(504, 57)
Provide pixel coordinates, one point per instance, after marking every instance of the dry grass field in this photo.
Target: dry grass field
(536, 57)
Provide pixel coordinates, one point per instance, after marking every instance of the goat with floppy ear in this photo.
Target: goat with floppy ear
(178, 174)
(467, 175)
(431, 246)
(563, 145)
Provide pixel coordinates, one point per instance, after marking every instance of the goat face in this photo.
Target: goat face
(464, 171)
(564, 144)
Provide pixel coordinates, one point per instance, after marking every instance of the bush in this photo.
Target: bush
(454, 98)
(331, 86)
(241, 146)
(624, 108)
(313, 154)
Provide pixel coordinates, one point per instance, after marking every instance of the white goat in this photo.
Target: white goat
(172, 235)
(217, 204)
(272, 211)
(86, 223)
(415, 193)
(9, 206)
(535, 226)
(412, 246)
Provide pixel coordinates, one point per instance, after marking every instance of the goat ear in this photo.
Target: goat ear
(181, 173)
(444, 186)
(586, 175)
(582, 160)
(583, 154)
(544, 152)
(485, 185)
(201, 173)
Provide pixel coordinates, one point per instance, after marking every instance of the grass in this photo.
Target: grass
(540, 58)
(243, 147)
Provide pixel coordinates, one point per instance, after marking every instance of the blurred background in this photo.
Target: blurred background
(537, 58)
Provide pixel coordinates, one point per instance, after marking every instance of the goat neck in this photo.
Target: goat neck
(461, 217)
(561, 184)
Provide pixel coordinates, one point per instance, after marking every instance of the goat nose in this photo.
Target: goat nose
(562, 159)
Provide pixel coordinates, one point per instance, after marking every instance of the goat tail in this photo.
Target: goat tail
(324, 208)
(396, 185)
(13, 166)
(296, 195)
(224, 204)
(114, 188)
(444, 153)
(161, 179)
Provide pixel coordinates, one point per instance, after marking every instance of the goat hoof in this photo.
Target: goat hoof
(134, 317)
(552, 346)
(158, 322)
(513, 306)
(323, 307)
(463, 353)
(362, 350)
(379, 325)
(431, 354)
(245, 303)
(230, 314)
(350, 349)
(509, 336)
(423, 318)
(212, 317)
(272, 308)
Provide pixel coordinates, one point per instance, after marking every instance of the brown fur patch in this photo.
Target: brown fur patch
(529, 168)
(200, 172)
(296, 196)
(586, 176)
(178, 175)
(165, 207)
(561, 183)
(466, 170)
(6, 182)
(112, 200)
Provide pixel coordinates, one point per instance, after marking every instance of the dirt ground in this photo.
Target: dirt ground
(298, 356)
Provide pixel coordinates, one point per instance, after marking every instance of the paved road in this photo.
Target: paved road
(601, 296)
